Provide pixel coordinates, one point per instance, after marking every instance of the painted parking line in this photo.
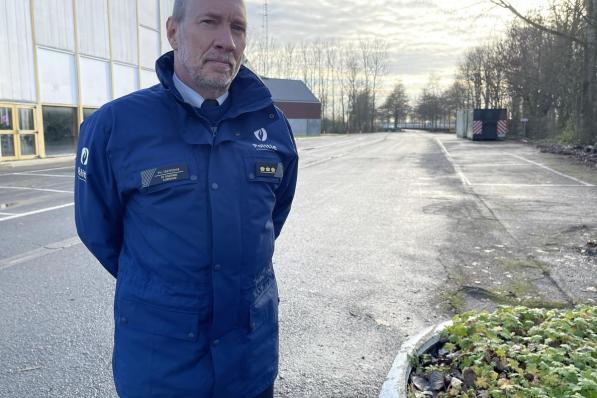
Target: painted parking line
(28, 173)
(465, 181)
(39, 252)
(34, 172)
(52, 169)
(7, 214)
(552, 170)
(478, 165)
(533, 185)
(36, 212)
(35, 189)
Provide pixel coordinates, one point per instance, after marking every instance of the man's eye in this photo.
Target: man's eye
(208, 21)
(238, 28)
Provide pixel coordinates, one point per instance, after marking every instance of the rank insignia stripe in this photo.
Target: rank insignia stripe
(161, 175)
(266, 169)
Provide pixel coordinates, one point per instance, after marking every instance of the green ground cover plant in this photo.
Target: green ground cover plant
(515, 352)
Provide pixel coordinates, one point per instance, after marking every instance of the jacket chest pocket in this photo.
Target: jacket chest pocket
(264, 169)
(166, 184)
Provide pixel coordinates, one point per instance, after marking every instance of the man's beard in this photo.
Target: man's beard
(211, 83)
(217, 83)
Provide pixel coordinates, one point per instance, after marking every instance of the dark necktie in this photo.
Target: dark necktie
(209, 104)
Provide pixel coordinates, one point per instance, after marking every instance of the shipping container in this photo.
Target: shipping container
(482, 124)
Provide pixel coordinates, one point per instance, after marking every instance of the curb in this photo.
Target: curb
(38, 161)
(395, 385)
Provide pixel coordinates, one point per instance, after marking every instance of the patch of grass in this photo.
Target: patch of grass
(517, 264)
(517, 295)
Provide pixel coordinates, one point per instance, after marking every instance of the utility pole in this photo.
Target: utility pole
(265, 27)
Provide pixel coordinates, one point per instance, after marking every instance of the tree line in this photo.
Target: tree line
(543, 70)
(345, 76)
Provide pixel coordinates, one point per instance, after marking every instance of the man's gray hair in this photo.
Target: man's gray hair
(178, 10)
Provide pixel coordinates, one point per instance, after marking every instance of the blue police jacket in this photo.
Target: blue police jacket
(185, 216)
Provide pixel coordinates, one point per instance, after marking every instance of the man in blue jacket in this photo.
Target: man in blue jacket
(181, 190)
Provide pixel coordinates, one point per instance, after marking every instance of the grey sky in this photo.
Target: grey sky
(425, 36)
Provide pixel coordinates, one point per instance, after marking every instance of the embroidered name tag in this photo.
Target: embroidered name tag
(268, 169)
(160, 175)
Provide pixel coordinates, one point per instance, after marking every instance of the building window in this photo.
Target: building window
(26, 119)
(5, 119)
(7, 146)
(27, 144)
(60, 130)
(88, 112)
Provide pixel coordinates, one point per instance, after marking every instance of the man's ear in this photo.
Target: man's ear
(171, 30)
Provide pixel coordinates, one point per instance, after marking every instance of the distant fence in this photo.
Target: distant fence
(424, 126)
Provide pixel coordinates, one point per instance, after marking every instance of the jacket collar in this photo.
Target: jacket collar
(247, 91)
(247, 94)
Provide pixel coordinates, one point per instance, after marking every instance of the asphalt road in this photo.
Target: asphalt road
(389, 233)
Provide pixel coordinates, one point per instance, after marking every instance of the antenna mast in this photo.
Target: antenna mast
(265, 27)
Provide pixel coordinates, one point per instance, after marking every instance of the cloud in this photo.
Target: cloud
(425, 36)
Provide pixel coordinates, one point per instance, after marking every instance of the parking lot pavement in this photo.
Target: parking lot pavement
(521, 220)
(36, 207)
(388, 233)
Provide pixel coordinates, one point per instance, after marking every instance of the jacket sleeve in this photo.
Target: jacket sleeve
(285, 191)
(98, 207)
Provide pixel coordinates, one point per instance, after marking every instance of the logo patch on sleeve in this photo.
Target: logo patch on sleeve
(160, 175)
(266, 169)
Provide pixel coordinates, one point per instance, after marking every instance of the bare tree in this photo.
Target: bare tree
(588, 42)
(396, 106)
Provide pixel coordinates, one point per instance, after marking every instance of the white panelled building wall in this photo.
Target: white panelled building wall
(62, 59)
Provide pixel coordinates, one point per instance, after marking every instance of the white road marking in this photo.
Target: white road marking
(33, 172)
(44, 175)
(35, 189)
(40, 252)
(6, 214)
(52, 169)
(552, 170)
(335, 144)
(36, 212)
(532, 185)
(465, 180)
(494, 164)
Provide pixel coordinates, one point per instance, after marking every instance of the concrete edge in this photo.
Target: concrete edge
(38, 161)
(395, 384)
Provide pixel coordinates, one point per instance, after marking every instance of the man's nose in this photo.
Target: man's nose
(225, 39)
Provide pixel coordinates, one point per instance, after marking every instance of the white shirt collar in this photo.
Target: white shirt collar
(191, 96)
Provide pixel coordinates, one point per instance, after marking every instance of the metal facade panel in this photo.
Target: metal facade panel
(57, 77)
(149, 12)
(299, 110)
(54, 24)
(150, 46)
(126, 80)
(92, 23)
(17, 74)
(148, 78)
(123, 14)
(299, 126)
(166, 8)
(95, 82)
(314, 127)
